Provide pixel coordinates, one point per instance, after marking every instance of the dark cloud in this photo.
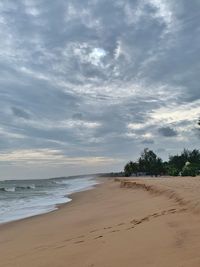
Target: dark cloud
(78, 116)
(20, 113)
(148, 141)
(167, 132)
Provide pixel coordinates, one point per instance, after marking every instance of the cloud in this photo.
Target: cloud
(167, 132)
(148, 141)
(97, 79)
(135, 126)
(20, 113)
(50, 157)
(64, 124)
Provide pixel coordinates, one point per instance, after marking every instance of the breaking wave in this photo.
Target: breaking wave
(16, 188)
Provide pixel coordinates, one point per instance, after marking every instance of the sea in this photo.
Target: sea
(25, 198)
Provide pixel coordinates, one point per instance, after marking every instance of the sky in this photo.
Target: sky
(86, 85)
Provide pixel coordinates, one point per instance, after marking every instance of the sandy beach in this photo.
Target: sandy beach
(140, 222)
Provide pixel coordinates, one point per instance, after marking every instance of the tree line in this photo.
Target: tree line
(185, 164)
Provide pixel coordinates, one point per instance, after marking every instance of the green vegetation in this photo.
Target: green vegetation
(185, 164)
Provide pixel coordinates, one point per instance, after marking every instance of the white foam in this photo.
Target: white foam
(26, 203)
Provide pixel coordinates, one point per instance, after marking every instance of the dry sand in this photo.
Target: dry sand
(146, 222)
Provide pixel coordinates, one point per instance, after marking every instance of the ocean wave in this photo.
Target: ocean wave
(22, 187)
(16, 188)
(22, 199)
(7, 189)
(59, 182)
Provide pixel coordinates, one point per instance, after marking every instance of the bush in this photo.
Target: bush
(172, 171)
(189, 170)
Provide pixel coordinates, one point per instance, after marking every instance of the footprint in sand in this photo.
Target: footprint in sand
(155, 215)
(109, 227)
(78, 242)
(135, 222)
(93, 231)
(59, 247)
(114, 231)
(130, 228)
(100, 236)
(120, 224)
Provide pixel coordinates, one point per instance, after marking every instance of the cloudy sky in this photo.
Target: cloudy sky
(85, 85)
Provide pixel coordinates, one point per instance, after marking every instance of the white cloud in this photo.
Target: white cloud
(147, 135)
(8, 134)
(136, 126)
(51, 157)
(83, 14)
(96, 56)
(175, 113)
(118, 50)
(89, 54)
(31, 8)
(63, 124)
(164, 11)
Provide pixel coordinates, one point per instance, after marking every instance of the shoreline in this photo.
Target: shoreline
(112, 225)
(57, 207)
